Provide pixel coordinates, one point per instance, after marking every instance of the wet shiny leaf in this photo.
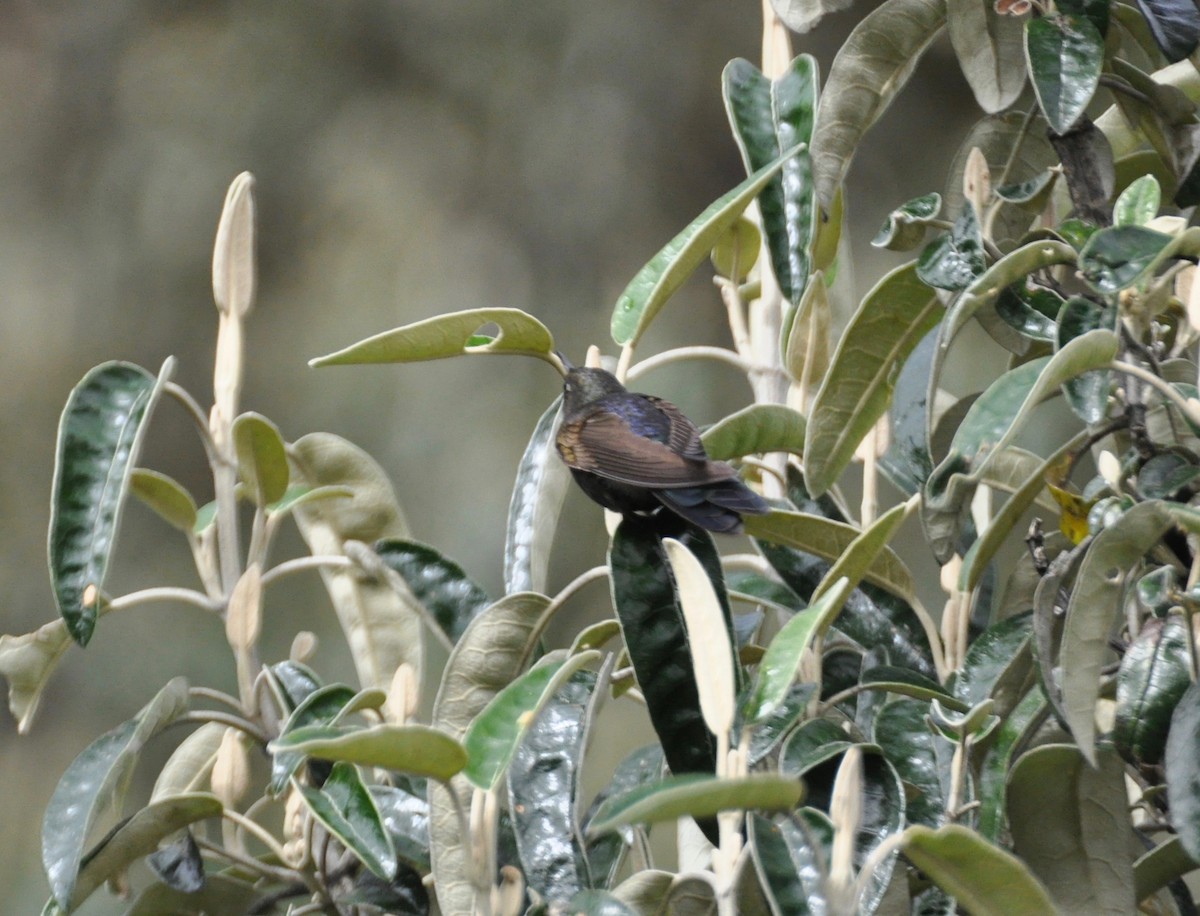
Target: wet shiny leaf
(1065, 54)
(437, 582)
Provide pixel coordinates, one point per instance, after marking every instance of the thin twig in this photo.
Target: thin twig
(163, 594)
(300, 564)
(224, 718)
(679, 354)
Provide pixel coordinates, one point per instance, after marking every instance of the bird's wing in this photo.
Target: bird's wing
(683, 437)
(603, 444)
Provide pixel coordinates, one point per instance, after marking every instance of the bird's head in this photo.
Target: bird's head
(582, 386)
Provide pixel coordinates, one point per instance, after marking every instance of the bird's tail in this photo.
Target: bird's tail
(717, 507)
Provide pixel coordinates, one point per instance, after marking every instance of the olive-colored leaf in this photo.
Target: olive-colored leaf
(221, 894)
(437, 582)
(1070, 825)
(139, 836)
(262, 460)
(736, 251)
(873, 65)
(904, 228)
(829, 539)
(984, 879)
(414, 749)
(27, 661)
(537, 498)
(382, 628)
(908, 683)
(990, 51)
(954, 259)
(807, 344)
(791, 857)
(857, 390)
(861, 553)
(543, 787)
(492, 652)
(348, 811)
(299, 495)
(755, 430)
(1154, 674)
(769, 117)
(95, 780)
(190, 764)
(1160, 866)
(494, 734)
(697, 795)
(779, 664)
(99, 436)
(166, 496)
(452, 334)
(1095, 602)
(1182, 767)
(655, 283)
(1065, 54)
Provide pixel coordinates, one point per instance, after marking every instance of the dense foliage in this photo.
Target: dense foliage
(826, 743)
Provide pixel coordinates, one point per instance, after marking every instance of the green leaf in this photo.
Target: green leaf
(990, 52)
(858, 388)
(382, 628)
(861, 553)
(655, 283)
(406, 819)
(1116, 258)
(807, 346)
(904, 228)
(348, 811)
(908, 683)
(1087, 394)
(768, 118)
(1154, 674)
(997, 659)
(777, 669)
(220, 894)
(543, 789)
(262, 460)
(907, 462)
(537, 498)
(1160, 866)
(494, 734)
(492, 652)
(99, 436)
(955, 259)
(1182, 766)
(756, 430)
(1070, 825)
(873, 65)
(94, 781)
(27, 661)
(437, 582)
(984, 879)
(166, 496)
(1012, 733)
(1065, 55)
(1138, 203)
(139, 836)
(598, 903)
(736, 251)
(697, 795)
(812, 744)
(791, 857)
(452, 334)
(829, 539)
(418, 750)
(1095, 602)
(604, 852)
(922, 758)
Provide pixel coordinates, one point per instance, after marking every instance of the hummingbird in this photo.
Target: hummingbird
(635, 453)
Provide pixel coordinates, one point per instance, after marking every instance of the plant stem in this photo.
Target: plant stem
(679, 354)
(300, 564)
(1164, 388)
(165, 593)
(224, 718)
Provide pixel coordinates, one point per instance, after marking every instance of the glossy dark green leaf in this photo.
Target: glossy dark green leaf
(768, 733)
(1095, 601)
(755, 430)
(538, 491)
(1165, 474)
(262, 460)
(1182, 765)
(321, 707)
(1007, 741)
(699, 796)
(644, 597)
(985, 879)
(1070, 825)
(436, 581)
(451, 334)
(1065, 54)
(1154, 674)
(996, 659)
(95, 780)
(403, 895)
(768, 118)
(1175, 25)
(138, 837)
(543, 785)
(294, 682)
(655, 283)
(1116, 258)
(494, 650)
(415, 749)
(954, 260)
(922, 758)
(605, 852)
(813, 743)
(792, 860)
(100, 434)
(1086, 394)
(406, 819)
(347, 810)
(907, 462)
(908, 683)
(873, 65)
(904, 228)
(990, 52)
(857, 390)
(1030, 312)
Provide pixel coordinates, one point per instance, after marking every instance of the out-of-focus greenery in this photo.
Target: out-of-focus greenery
(412, 159)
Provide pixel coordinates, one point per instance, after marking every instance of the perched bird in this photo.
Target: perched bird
(634, 453)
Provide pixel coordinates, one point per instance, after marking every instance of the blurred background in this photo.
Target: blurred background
(412, 158)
